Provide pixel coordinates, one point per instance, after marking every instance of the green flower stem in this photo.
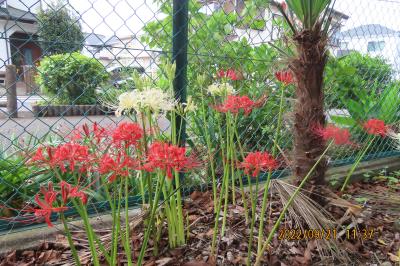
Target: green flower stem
(112, 203)
(160, 183)
(217, 213)
(127, 230)
(234, 132)
(268, 182)
(229, 124)
(70, 241)
(89, 230)
(209, 151)
(360, 156)
(226, 175)
(181, 226)
(288, 204)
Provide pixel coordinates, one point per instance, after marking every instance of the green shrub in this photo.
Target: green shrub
(347, 75)
(71, 78)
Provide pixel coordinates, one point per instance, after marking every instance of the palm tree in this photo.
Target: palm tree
(309, 22)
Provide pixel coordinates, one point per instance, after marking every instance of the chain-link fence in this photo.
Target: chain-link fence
(59, 61)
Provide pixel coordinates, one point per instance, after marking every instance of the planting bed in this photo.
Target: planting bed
(372, 208)
(69, 110)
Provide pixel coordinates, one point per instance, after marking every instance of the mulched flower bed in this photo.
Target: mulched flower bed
(376, 210)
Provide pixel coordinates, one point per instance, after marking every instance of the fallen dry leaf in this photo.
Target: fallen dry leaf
(393, 257)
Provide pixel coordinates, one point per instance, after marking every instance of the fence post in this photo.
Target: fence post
(11, 90)
(179, 56)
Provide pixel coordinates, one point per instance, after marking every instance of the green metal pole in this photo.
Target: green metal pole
(179, 56)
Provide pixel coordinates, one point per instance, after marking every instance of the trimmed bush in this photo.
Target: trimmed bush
(70, 78)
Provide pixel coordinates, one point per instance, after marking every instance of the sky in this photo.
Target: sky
(127, 17)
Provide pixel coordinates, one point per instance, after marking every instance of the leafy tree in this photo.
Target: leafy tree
(211, 47)
(59, 30)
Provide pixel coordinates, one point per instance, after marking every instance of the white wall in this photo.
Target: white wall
(27, 5)
(4, 47)
(390, 51)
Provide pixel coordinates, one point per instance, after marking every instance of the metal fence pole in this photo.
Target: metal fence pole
(179, 56)
(11, 90)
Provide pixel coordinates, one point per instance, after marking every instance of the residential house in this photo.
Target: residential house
(18, 27)
(372, 39)
(127, 51)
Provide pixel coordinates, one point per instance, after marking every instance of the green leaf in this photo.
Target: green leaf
(344, 121)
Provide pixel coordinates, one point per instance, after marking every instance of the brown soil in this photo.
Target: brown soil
(378, 212)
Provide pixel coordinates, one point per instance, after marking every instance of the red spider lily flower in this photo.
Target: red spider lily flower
(258, 161)
(71, 153)
(168, 157)
(229, 73)
(285, 77)
(127, 133)
(96, 133)
(340, 136)
(46, 206)
(68, 192)
(234, 104)
(38, 157)
(284, 5)
(376, 127)
(118, 167)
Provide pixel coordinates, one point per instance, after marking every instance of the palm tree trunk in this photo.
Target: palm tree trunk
(308, 69)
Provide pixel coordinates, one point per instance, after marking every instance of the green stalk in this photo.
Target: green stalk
(288, 204)
(180, 223)
(231, 149)
(268, 182)
(234, 130)
(360, 156)
(70, 241)
(112, 203)
(127, 230)
(216, 223)
(170, 213)
(226, 175)
(117, 222)
(160, 183)
(89, 230)
(209, 151)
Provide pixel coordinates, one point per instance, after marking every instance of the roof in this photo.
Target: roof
(94, 39)
(366, 30)
(16, 14)
(118, 40)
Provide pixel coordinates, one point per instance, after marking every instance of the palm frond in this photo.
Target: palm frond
(309, 12)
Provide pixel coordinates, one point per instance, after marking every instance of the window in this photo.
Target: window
(375, 46)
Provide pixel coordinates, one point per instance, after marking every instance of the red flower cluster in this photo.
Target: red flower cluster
(285, 77)
(98, 133)
(229, 73)
(118, 167)
(47, 206)
(69, 153)
(234, 104)
(376, 127)
(339, 136)
(68, 192)
(258, 161)
(168, 157)
(128, 134)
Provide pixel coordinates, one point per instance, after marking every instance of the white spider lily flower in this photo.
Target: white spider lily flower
(217, 89)
(154, 99)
